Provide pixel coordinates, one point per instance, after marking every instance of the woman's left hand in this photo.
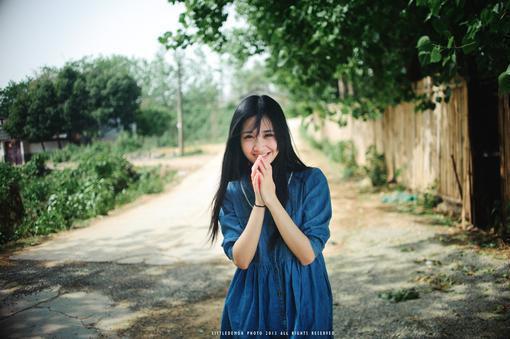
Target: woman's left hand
(267, 186)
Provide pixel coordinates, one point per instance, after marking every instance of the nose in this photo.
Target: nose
(259, 144)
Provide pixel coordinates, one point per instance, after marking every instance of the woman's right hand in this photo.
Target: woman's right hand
(256, 177)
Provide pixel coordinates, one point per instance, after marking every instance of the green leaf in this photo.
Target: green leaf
(504, 81)
(468, 44)
(435, 55)
(450, 42)
(446, 60)
(424, 44)
(447, 94)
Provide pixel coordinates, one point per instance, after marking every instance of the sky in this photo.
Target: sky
(36, 33)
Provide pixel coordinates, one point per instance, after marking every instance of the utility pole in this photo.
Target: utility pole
(218, 107)
(180, 123)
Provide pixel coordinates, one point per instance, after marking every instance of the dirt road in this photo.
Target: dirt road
(145, 271)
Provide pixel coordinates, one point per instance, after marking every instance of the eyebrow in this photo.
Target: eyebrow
(249, 132)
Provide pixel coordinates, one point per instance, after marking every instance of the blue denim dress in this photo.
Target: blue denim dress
(276, 296)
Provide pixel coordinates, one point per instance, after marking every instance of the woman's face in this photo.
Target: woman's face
(262, 144)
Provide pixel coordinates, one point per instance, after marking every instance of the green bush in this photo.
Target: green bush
(48, 201)
(343, 152)
(64, 154)
(149, 182)
(376, 167)
(36, 167)
(11, 205)
(347, 156)
(113, 168)
(127, 142)
(155, 121)
(429, 199)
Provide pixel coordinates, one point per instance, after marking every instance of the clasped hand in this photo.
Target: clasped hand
(262, 181)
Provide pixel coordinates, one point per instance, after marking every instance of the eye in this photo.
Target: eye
(247, 137)
(269, 135)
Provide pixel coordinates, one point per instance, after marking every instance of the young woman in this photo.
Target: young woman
(274, 213)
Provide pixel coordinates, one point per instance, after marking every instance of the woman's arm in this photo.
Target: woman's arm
(244, 248)
(296, 240)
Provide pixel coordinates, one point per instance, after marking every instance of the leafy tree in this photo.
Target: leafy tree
(470, 38)
(123, 95)
(73, 99)
(13, 106)
(250, 79)
(114, 94)
(43, 119)
(154, 121)
(157, 80)
(374, 47)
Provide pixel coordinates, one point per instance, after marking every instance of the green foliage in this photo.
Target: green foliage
(429, 199)
(39, 201)
(504, 81)
(64, 154)
(154, 121)
(379, 48)
(12, 102)
(115, 171)
(400, 295)
(77, 99)
(343, 152)
(73, 99)
(439, 282)
(11, 206)
(127, 142)
(376, 167)
(42, 118)
(463, 34)
(150, 181)
(36, 167)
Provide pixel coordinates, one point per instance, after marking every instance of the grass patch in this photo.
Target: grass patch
(399, 295)
(466, 269)
(476, 239)
(419, 204)
(437, 282)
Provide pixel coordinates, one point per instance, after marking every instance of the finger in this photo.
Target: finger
(254, 183)
(263, 162)
(254, 166)
(262, 166)
(268, 166)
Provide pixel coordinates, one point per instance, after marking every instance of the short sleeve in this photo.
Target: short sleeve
(231, 227)
(317, 210)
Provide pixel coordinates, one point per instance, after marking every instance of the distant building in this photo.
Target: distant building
(17, 152)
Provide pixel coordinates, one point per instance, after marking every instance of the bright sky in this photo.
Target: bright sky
(35, 33)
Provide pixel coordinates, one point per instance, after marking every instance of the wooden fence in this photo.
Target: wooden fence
(422, 149)
(504, 137)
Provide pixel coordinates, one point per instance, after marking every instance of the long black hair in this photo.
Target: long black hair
(236, 165)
